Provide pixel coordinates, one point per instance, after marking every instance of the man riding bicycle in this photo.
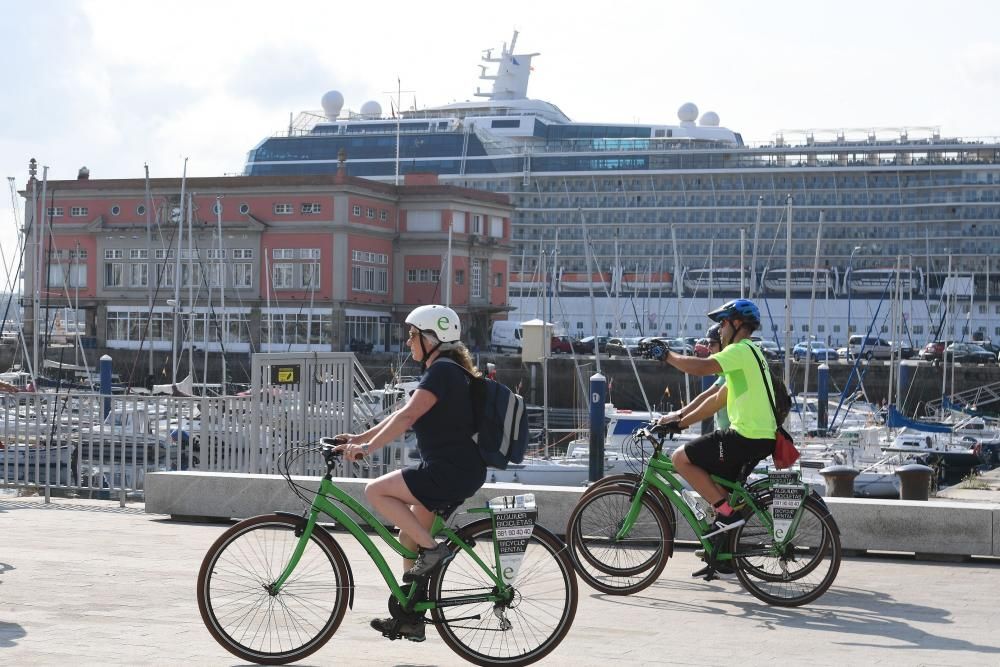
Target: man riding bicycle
(730, 453)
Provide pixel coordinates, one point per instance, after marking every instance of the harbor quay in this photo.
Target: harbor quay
(87, 582)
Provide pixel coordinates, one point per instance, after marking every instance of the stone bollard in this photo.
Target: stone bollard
(914, 481)
(839, 481)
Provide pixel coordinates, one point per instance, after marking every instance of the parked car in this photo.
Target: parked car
(819, 351)
(771, 349)
(934, 350)
(968, 353)
(869, 347)
(623, 346)
(906, 350)
(586, 345)
(562, 345)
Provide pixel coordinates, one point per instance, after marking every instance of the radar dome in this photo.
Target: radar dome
(332, 103)
(709, 119)
(371, 109)
(688, 112)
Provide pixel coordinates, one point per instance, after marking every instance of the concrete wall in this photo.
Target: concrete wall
(932, 529)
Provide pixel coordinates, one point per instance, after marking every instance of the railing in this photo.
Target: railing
(104, 445)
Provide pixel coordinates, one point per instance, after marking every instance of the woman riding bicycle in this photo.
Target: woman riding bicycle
(451, 470)
(728, 453)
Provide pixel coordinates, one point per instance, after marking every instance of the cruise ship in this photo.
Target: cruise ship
(635, 229)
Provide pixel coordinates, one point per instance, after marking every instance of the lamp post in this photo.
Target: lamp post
(850, 267)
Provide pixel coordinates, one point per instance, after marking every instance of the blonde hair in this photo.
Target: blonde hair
(460, 354)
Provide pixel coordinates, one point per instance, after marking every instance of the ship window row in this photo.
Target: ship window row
(327, 148)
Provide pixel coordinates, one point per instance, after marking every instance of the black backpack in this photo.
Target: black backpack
(782, 399)
(500, 418)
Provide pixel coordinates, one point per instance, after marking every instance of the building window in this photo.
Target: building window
(139, 275)
(283, 253)
(477, 224)
(357, 210)
(213, 274)
(296, 328)
(116, 210)
(217, 253)
(165, 275)
(310, 276)
(311, 208)
(435, 275)
(190, 275)
(459, 276)
(113, 275)
(283, 209)
(114, 253)
(54, 212)
(140, 209)
(308, 253)
(242, 275)
(242, 253)
(217, 208)
(138, 253)
(163, 253)
(371, 213)
(411, 275)
(383, 215)
(283, 276)
(918, 329)
(369, 279)
(244, 209)
(498, 280)
(78, 211)
(477, 278)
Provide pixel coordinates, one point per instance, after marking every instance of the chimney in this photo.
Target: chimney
(83, 174)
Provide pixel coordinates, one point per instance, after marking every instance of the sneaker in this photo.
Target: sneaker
(399, 629)
(427, 561)
(723, 524)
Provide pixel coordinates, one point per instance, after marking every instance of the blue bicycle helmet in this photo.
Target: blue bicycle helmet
(740, 309)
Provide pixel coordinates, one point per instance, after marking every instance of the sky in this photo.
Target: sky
(115, 85)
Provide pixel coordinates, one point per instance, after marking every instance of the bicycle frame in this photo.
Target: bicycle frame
(660, 473)
(406, 598)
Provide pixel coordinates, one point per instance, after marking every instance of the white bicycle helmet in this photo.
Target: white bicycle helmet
(440, 321)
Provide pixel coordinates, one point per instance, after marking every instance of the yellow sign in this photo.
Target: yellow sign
(285, 374)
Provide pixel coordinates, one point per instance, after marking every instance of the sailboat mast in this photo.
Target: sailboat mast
(190, 277)
(812, 310)
(222, 292)
(788, 293)
(37, 232)
(590, 288)
(149, 281)
(753, 254)
(177, 275)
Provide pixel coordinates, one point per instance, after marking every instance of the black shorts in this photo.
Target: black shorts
(728, 454)
(440, 486)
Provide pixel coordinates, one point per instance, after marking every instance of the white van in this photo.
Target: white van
(506, 335)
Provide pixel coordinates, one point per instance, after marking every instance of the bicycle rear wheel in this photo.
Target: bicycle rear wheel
(798, 572)
(521, 632)
(245, 618)
(613, 566)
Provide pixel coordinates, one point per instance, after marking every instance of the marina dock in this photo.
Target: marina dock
(88, 582)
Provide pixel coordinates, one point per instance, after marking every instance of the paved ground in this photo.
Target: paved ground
(88, 583)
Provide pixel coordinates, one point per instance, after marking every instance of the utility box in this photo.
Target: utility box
(536, 340)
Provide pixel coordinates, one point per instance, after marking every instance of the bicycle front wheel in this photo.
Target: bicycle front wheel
(632, 479)
(618, 566)
(517, 633)
(796, 573)
(241, 613)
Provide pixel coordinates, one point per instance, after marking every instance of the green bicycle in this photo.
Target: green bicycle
(274, 588)
(787, 553)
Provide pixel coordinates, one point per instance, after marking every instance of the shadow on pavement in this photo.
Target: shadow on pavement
(10, 633)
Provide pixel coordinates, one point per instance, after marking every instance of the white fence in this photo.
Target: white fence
(104, 446)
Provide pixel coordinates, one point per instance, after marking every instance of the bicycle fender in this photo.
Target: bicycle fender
(302, 521)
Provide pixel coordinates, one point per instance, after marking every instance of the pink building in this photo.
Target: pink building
(283, 263)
